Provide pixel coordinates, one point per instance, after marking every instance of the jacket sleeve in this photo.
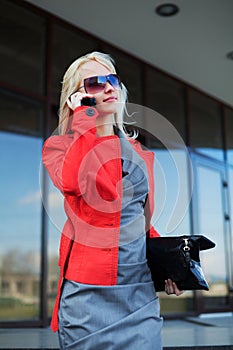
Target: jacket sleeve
(63, 155)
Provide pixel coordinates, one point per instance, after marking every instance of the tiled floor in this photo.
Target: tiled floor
(201, 331)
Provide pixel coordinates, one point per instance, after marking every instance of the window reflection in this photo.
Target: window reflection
(22, 47)
(230, 247)
(172, 194)
(171, 216)
(229, 134)
(20, 115)
(205, 127)
(72, 45)
(210, 215)
(166, 96)
(20, 227)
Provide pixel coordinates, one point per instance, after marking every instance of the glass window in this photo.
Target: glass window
(57, 218)
(20, 227)
(229, 134)
(129, 71)
(22, 52)
(230, 245)
(20, 115)
(172, 217)
(166, 96)
(210, 215)
(54, 120)
(205, 125)
(172, 194)
(20, 207)
(54, 208)
(68, 45)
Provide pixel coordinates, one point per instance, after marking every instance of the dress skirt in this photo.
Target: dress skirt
(124, 316)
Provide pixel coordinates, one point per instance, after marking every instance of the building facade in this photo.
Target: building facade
(194, 163)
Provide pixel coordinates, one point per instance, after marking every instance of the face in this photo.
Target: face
(106, 99)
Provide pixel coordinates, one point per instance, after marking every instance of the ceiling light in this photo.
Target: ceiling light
(167, 10)
(230, 55)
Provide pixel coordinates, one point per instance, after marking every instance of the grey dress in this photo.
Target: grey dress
(126, 315)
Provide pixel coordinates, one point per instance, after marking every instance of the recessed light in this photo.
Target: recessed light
(230, 55)
(167, 10)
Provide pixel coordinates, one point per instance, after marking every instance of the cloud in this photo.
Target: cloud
(55, 199)
(30, 198)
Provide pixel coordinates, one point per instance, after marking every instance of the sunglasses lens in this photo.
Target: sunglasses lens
(114, 80)
(96, 84)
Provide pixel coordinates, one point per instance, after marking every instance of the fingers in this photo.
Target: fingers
(177, 291)
(75, 99)
(171, 288)
(70, 105)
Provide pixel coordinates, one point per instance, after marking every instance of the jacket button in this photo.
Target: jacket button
(90, 112)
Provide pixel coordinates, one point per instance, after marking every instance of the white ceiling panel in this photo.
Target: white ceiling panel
(191, 45)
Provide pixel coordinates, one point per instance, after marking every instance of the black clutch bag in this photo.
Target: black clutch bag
(178, 258)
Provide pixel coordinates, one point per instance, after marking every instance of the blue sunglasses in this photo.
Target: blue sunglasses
(96, 84)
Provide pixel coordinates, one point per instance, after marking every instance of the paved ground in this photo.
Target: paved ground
(199, 331)
(208, 331)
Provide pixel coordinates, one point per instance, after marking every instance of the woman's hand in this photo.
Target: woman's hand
(75, 99)
(171, 288)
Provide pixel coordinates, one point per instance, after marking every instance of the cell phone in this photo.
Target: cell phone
(88, 101)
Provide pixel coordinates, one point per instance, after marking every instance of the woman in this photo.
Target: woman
(106, 298)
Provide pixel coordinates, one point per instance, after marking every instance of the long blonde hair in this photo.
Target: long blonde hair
(71, 82)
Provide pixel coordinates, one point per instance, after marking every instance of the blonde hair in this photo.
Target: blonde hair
(71, 82)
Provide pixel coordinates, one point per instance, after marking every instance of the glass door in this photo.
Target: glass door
(211, 218)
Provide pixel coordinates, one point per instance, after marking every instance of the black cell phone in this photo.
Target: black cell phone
(88, 101)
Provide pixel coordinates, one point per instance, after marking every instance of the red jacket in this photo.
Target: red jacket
(87, 169)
